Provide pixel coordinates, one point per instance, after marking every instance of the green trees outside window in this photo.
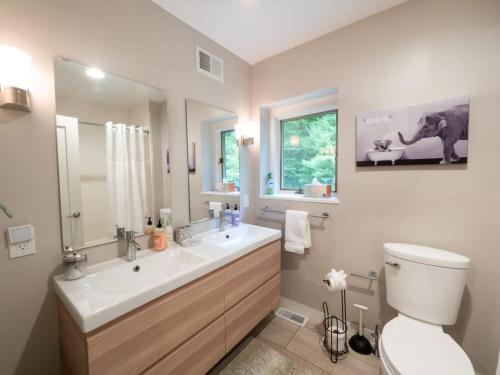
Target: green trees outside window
(230, 157)
(308, 150)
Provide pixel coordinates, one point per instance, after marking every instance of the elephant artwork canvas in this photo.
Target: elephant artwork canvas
(432, 133)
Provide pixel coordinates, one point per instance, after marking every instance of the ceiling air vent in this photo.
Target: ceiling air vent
(209, 64)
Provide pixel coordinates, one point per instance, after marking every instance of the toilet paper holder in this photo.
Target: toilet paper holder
(372, 275)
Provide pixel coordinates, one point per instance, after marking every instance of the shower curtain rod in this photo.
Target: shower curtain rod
(96, 124)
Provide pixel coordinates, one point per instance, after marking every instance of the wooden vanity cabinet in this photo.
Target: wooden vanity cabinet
(243, 317)
(247, 274)
(186, 331)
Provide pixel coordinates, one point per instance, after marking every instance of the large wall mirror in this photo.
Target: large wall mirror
(110, 136)
(213, 159)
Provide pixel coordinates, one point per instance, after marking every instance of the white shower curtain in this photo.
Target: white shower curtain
(126, 176)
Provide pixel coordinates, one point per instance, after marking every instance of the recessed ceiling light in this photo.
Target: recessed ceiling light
(95, 73)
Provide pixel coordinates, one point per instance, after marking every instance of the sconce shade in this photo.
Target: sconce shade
(244, 133)
(15, 70)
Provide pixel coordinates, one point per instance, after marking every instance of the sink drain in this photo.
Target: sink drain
(136, 268)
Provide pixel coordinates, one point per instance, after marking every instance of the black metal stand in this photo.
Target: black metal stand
(335, 327)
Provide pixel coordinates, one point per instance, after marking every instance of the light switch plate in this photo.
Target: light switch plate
(21, 241)
(246, 201)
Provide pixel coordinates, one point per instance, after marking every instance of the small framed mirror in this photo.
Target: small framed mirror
(112, 172)
(213, 159)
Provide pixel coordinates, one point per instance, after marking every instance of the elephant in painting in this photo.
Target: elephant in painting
(450, 125)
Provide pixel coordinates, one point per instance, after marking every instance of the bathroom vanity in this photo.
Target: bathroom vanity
(181, 312)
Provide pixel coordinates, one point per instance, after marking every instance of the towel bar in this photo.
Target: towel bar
(324, 215)
(6, 211)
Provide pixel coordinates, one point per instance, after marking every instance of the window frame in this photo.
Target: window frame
(222, 159)
(222, 153)
(314, 112)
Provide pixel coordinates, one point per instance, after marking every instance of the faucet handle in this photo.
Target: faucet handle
(130, 235)
(120, 233)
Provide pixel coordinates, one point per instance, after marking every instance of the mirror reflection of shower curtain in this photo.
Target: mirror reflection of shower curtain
(126, 176)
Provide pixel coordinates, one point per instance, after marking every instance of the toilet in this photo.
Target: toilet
(425, 285)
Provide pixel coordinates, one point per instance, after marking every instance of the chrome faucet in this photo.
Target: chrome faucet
(222, 221)
(132, 246)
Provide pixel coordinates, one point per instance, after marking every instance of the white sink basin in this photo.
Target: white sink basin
(134, 276)
(236, 237)
(116, 287)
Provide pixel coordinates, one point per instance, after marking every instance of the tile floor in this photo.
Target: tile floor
(304, 346)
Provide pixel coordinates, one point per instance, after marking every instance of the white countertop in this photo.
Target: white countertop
(112, 288)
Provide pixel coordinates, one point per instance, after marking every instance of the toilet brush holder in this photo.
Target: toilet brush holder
(358, 342)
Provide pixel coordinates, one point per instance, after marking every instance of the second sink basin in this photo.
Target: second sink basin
(236, 237)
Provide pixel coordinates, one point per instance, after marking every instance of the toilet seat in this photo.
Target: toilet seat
(412, 347)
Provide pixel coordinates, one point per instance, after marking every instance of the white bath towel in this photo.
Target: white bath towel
(216, 206)
(297, 231)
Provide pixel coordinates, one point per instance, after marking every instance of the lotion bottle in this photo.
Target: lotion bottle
(159, 242)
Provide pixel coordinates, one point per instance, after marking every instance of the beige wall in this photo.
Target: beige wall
(156, 49)
(199, 116)
(415, 53)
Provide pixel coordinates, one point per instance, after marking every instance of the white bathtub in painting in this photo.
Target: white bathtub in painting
(391, 155)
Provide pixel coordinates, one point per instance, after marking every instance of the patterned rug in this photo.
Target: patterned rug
(254, 357)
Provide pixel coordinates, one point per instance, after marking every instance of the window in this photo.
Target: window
(308, 150)
(230, 157)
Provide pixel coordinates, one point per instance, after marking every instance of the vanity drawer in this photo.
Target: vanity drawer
(247, 274)
(131, 344)
(198, 355)
(243, 317)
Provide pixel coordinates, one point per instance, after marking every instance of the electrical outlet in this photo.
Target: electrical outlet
(21, 249)
(21, 241)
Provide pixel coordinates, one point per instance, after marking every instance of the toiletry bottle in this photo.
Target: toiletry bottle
(228, 214)
(235, 216)
(270, 184)
(169, 232)
(159, 242)
(149, 229)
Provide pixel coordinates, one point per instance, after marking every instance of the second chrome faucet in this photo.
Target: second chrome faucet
(132, 246)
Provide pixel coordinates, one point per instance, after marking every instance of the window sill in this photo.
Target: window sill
(301, 198)
(225, 194)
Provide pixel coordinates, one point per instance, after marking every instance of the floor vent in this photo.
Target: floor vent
(292, 316)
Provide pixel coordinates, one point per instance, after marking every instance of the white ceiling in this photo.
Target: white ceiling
(257, 29)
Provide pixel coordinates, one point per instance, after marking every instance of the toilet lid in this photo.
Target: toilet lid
(413, 347)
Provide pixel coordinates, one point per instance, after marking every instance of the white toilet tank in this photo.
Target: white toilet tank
(425, 283)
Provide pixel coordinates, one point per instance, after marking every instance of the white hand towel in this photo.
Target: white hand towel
(216, 206)
(297, 231)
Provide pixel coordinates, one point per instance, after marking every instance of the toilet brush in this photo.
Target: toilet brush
(358, 342)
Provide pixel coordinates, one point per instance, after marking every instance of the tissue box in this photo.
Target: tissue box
(317, 191)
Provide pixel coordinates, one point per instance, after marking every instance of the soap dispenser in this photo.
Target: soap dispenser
(159, 242)
(228, 214)
(235, 219)
(149, 229)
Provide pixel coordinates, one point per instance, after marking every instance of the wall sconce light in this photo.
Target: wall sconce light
(244, 132)
(15, 69)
